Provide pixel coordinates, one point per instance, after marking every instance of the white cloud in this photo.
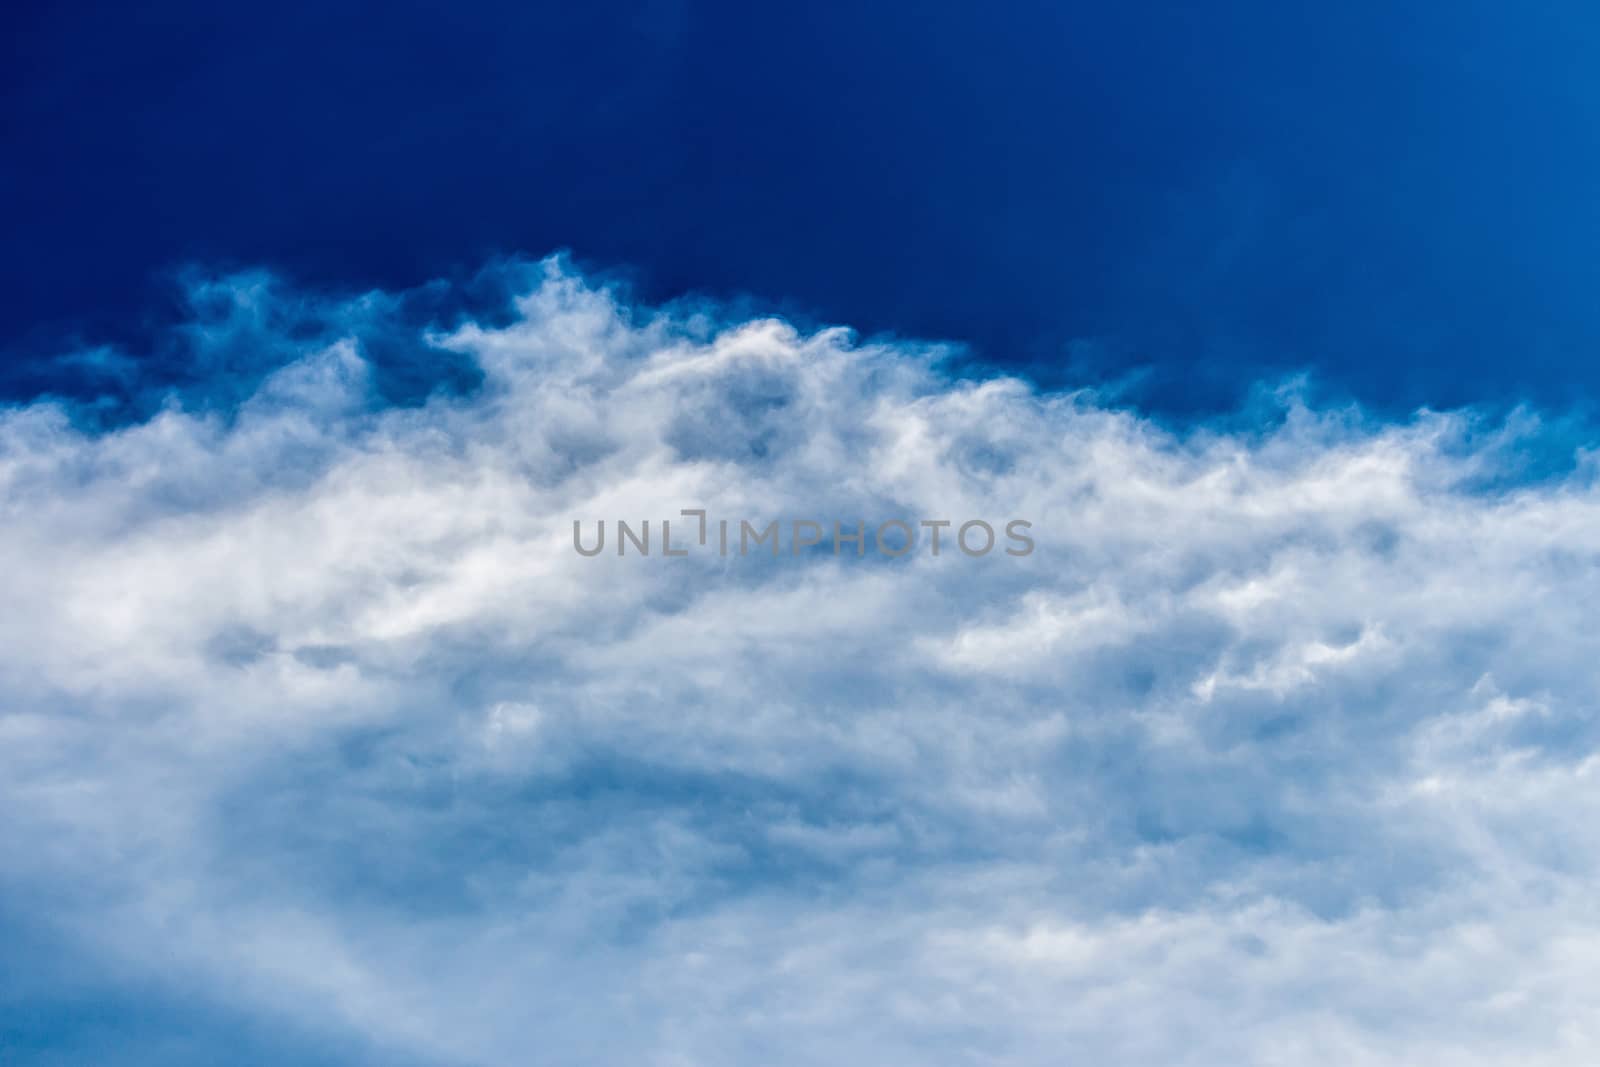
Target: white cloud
(1278, 749)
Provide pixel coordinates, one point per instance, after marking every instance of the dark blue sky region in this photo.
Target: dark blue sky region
(1399, 197)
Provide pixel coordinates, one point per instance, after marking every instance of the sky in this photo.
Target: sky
(327, 332)
(1397, 198)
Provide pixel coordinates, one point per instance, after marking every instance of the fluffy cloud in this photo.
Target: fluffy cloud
(1279, 748)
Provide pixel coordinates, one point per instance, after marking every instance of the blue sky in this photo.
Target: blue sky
(319, 743)
(1398, 197)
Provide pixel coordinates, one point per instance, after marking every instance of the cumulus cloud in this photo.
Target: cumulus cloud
(1279, 748)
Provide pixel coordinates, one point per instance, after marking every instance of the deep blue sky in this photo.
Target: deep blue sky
(1401, 196)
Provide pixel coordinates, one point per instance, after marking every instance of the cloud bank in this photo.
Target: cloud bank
(1279, 749)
